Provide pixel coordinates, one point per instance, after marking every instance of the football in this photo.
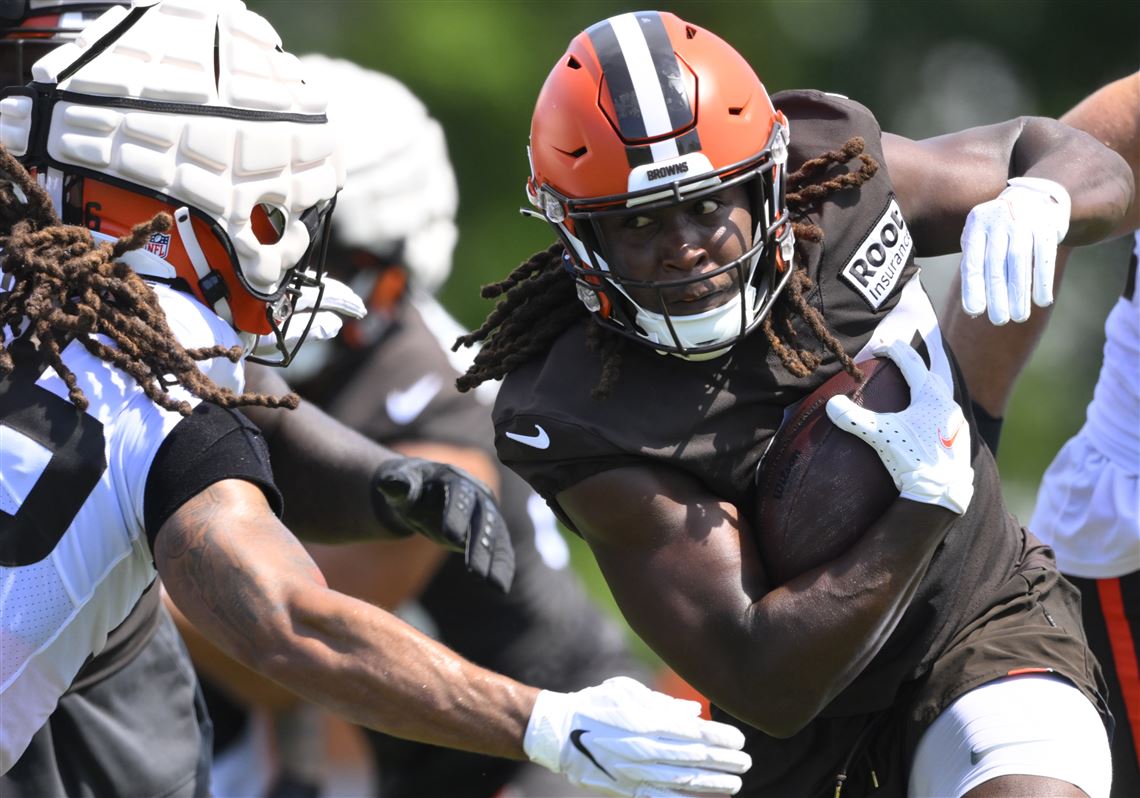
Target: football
(819, 488)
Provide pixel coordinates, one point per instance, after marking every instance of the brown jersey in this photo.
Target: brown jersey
(714, 419)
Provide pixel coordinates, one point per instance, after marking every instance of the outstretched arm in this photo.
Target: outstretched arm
(242, 579)
(386, 573)
(238, 574)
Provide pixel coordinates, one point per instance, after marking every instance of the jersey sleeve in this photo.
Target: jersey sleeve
(550, 432)
(211, 444)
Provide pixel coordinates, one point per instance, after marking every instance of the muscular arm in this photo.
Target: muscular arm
(243, 685)
(382, 572)
(686, 574)
(241, 578)
(939, 180)
(992, 358)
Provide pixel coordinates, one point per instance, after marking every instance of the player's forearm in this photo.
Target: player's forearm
(379, 672)
(811, 637)
(689, 581)
(1098, 180)
(251, 588)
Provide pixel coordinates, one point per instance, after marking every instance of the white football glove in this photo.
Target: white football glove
(338, 302)
(926, 448)
(621, 738)
(1009, 243)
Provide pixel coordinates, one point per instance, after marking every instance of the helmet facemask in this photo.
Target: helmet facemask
(759, 274)
(308, 276)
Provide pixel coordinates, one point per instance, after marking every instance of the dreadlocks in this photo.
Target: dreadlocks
(61, 285)
(539, 298)
(777, 325)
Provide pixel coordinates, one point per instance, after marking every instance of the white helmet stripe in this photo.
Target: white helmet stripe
(643, 74)
(664, 150)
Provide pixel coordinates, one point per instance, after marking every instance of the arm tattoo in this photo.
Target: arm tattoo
(201, 547)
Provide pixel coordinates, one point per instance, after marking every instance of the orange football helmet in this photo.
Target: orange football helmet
(645, 110)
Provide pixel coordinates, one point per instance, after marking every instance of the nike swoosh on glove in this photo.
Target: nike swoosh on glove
(926, 447)
(621, 738)
(1010, 243)
(338, 302)
(448, 506)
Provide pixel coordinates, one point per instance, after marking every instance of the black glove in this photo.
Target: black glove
(448, 506)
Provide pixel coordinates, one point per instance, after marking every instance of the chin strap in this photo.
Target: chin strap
(209, 280)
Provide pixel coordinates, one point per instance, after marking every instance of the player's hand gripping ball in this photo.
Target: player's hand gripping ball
(820, 488)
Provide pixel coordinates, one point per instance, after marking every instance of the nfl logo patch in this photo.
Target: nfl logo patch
(159, 244)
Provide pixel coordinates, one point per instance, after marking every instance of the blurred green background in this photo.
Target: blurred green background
(923, 67)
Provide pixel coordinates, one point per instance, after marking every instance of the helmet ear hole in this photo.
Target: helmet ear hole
(268, 222)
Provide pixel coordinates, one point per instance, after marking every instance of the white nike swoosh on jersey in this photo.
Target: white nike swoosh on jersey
(539, 440)
(404, 405)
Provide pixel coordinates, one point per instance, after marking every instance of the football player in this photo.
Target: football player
(1088, 503)
(720, 254)
(391, 376)
(175, 228)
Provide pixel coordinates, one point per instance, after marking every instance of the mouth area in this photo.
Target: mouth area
(699, 296)
(692, 302)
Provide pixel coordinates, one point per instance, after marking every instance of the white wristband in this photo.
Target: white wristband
(543, 739)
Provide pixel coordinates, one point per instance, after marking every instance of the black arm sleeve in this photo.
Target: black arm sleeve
(209, 445)
(989, 427)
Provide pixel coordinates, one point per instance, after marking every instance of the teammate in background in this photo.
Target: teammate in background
(1088, 504)
(125, 457)
(719, 256)
(391, 376)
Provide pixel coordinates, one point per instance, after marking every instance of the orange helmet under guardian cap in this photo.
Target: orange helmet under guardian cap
(190, 107)
(645, 111)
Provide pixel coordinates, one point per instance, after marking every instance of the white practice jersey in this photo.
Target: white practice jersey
(1088, 505)
(74, 556)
